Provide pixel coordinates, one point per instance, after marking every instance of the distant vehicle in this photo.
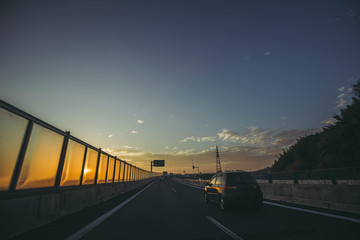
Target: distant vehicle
(171, 174)
(165, 173)
(234, 189)
(161, 177)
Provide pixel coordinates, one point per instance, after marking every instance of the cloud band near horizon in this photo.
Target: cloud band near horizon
(253, 149)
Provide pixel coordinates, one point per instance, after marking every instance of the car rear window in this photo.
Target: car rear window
(239, 178)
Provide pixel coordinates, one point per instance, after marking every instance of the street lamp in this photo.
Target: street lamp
(195, 167)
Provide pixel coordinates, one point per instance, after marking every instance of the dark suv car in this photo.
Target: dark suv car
(234, 188)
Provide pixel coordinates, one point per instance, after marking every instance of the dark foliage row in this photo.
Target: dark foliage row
(336, 146)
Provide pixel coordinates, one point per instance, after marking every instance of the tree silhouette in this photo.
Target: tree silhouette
(336, 146)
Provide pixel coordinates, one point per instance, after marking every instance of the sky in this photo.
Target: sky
(146, 80)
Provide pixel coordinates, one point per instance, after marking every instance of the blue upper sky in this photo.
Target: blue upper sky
(171, 79)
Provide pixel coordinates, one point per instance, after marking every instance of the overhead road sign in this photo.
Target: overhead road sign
(159, 163)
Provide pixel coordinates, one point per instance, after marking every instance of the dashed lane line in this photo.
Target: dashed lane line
(96, 222)
(226, 230)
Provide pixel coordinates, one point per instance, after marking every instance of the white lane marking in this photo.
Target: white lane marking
(96, 222)
(173, 189)
(222, 227)
(315, 212)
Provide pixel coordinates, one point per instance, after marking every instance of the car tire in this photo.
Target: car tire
(222, 204)
(206, 198)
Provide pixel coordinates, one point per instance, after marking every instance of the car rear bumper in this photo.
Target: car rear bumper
(243, 200)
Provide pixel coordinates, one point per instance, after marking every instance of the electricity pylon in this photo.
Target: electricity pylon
(218, 165)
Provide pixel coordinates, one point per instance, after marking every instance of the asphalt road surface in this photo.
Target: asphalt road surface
(171, 210)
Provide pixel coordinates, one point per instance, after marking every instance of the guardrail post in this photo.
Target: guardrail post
(295, 177)
(97, 166)
(114, 169)
(270, 178)
(107, 168)
(129, 173)
(83, 166)
(123, 171)
(62, 160)
(21, 156)
(333, 178)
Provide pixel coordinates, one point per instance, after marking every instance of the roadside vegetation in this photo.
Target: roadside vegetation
(336, 146)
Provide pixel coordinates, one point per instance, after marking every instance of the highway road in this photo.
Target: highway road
(172, 210)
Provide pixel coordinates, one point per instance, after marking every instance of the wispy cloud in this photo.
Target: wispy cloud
(121, 152)
(134, 132)
(184, 152)
(199, 139)
(227, 135)
(343, 98)
(140, 121)
(206, 139)
(192, 138)
(265, 139)
(267, 53)
(254, 136)
(329, 121)
(340, 99)
(342, 89)
(129, 147)
(251, 149)
(260, 141)
(110, 136)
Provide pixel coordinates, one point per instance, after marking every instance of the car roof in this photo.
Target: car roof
(239, 171)
(232, 172)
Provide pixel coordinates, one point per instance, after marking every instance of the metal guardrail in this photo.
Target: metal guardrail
(334, 175)
(317, 176)
(37, 155)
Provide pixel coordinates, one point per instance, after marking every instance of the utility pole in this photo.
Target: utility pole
(218, 165)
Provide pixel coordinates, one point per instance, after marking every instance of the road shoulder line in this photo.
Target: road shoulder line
(314, 212)
(90, 226)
